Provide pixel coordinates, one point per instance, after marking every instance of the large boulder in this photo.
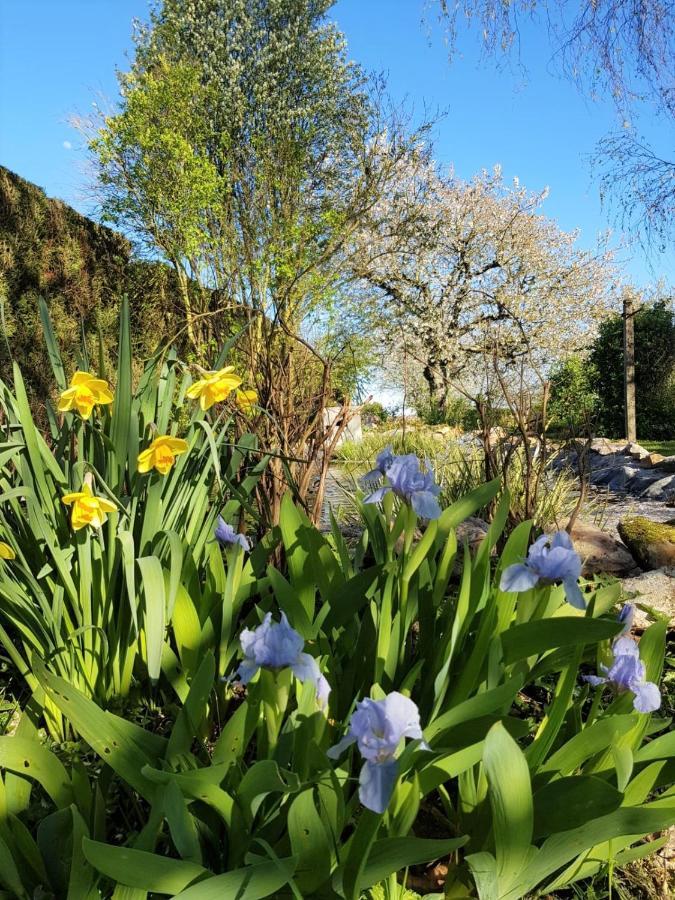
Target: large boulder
(651, 543)
(601, 553)
(655, 589)
(661, 489)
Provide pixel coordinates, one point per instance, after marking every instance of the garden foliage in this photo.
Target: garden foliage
(654, 372)
(405, 700)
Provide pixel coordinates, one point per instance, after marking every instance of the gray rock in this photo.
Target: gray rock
(603, 447)
(623, 478)
(635, 450)
(655, 589)
(660, 489)
(605, 475)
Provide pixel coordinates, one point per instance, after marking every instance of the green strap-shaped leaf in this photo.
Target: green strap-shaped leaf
(543, 635)
(138, 869)
(250, 883)
(510, 794)
(154, 620)
(394, 854)
(29, 757)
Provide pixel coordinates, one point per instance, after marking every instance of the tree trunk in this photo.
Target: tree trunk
(435, 375)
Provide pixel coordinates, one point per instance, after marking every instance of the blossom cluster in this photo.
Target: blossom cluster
(552, 559)
(407, 481)
(377, 727)
(627, 672)
(86, 391)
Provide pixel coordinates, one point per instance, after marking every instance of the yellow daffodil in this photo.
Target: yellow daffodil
(6, 551)
(214, 387)
(87, 508)
(161, 454)
(84, 392)
(246, 400)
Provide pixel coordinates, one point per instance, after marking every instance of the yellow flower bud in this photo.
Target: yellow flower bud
(6, 551)
(246, 400)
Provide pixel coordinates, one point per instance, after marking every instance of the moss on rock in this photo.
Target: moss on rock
(651, 543)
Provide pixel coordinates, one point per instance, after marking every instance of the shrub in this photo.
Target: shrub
(654, 372)
(573, 403)
(456, 411)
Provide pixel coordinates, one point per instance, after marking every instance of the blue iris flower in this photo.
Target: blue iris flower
(275, 645)
(626, 617)
(226, 535)
(627, 673)
(378, 727)
(551, 559)
(410, 484)
(383, 461)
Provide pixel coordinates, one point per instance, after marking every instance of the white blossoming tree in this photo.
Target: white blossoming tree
(481, 272)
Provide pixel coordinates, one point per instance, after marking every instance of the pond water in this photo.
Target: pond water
(605, 509)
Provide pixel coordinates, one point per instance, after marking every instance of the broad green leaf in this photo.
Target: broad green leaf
(391, 855)
(512, 806)
(311, 843)
(250, 883)
(136, 868)
(543, 635)
(570, 802)
(28, 757)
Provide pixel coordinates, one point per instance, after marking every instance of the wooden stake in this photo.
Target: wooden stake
(629, 365)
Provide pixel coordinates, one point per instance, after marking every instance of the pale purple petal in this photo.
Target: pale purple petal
(595, 680)
(425, 504)
(376, 784)
(402, 717)
(378, 495)
(626, 617)
(518, 577)
(647, 696)
(247, 669)
(338, 749)
(573, 593)
(562, 539)
(227, 536)
(306, 668)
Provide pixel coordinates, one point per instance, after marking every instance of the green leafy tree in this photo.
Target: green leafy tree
(246, 151)
(573, 400)
(654, 372)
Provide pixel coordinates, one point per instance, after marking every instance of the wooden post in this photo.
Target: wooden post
(629, 365)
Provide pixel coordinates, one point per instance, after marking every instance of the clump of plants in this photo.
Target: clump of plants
(317, 719)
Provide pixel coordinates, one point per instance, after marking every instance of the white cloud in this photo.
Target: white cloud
(67, 145)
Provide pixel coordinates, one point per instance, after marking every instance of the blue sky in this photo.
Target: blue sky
(56, 58)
